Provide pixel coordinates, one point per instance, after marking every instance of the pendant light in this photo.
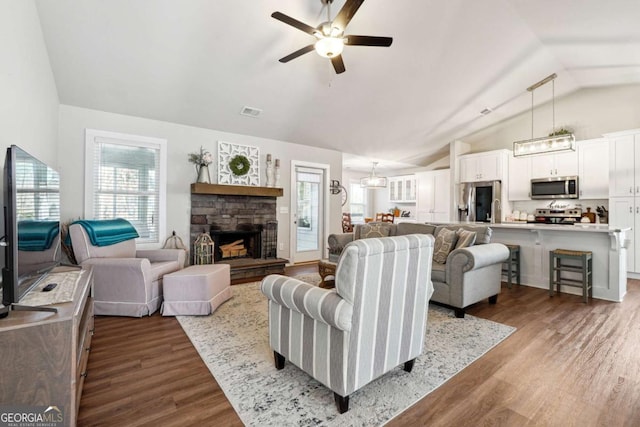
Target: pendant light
(373, 180)
(556, 142)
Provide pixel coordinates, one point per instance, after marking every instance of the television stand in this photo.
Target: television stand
(4, 311)
(44, 356)
(18, 307)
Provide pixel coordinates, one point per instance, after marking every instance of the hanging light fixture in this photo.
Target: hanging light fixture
(562, 140)
(373, 180)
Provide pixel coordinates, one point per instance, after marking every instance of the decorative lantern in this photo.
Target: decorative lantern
(203, 250)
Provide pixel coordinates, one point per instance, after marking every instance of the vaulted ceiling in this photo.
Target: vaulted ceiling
(199, 62)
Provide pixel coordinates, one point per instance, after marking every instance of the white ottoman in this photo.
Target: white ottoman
(196, 290)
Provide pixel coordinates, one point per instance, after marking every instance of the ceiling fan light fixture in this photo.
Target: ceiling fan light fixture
(329, 47)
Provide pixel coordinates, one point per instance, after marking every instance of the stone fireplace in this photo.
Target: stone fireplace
(242, 222)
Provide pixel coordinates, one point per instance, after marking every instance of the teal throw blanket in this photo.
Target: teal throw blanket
(37, 236)
(107, 232)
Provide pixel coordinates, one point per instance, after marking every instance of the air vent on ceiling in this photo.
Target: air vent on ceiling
(486, 111)
(250, 111)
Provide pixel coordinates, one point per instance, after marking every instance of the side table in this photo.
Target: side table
(327, 268)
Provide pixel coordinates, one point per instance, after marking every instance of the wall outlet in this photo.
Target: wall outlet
(281, 246)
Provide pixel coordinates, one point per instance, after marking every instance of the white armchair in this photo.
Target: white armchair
(372, 322)
(126, 282)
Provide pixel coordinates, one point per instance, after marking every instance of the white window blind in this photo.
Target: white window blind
(357, 201)
(126, 183)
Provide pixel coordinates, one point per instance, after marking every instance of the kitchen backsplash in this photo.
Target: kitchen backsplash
(530, 206)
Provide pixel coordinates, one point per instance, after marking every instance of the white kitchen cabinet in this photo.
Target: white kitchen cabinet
(402, 189)
(625, 212)
(560, 164)
(487, 166)
(434, 196)
(624, 189)
(624, 164)
(519, 178)
(593, 169)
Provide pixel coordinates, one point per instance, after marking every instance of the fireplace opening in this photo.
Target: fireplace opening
(244, 242)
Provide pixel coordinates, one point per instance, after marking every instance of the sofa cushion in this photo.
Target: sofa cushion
(445, 243)
(374, 229)
(405, 228)
(483, 235)
(438, 272)
(466, 238)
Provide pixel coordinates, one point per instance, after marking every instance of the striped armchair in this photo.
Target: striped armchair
(372, 322)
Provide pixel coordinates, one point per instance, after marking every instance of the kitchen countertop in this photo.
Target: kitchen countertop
(593, 228)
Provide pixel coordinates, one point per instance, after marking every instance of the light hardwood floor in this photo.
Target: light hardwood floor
(567, 364)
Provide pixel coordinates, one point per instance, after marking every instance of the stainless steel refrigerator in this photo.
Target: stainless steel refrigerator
(480, 202)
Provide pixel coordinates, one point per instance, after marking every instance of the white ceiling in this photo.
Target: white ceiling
(198, 62)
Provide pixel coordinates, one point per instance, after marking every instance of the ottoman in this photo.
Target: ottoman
(196, 290)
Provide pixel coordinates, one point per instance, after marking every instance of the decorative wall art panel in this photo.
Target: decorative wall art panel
(238, 164)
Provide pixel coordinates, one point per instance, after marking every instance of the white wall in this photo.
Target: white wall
(181, 141)
(588, 112)
(28, 95)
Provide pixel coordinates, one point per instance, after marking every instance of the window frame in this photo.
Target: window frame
(353, 185)
(92, 137)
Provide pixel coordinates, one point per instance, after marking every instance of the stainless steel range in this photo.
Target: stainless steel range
(558, 216)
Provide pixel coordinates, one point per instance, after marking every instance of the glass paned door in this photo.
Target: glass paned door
(309, 215)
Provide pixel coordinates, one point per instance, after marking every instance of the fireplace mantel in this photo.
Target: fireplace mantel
(235, 190)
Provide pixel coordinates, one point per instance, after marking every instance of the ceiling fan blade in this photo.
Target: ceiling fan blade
(368, 41)
(294, 23)
(338, 64)
(297, 53)
(345, 15)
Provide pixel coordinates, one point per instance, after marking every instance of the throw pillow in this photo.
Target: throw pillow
(466, 238)
(374, 230)
(445, 243)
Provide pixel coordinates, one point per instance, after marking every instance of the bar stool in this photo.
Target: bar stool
(511, 266)
(556, 267)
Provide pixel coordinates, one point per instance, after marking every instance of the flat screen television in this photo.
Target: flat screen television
(31, 223)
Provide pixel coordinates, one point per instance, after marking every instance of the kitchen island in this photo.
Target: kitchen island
(608, 245)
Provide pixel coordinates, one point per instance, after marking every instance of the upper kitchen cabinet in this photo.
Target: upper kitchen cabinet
(434, 196)
(487, 166)
(519, 178)
(624, 163)
(593, 169)
(560, 164)
(402, 189)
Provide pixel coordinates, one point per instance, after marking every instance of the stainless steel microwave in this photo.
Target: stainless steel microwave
(555, 187)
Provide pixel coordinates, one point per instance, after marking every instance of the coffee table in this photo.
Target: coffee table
(326, 269)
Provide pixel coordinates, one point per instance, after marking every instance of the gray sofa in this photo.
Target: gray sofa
(468, 275)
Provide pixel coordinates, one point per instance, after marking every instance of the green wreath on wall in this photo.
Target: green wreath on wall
(239, 165)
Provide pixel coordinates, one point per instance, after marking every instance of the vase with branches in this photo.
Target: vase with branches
(202, 160)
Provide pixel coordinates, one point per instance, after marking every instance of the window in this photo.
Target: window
(357, 201)
(126, 178)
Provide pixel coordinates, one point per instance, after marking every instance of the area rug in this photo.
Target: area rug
(234, 344)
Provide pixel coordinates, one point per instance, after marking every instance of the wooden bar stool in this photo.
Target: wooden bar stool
(511, 267)
(557, 266)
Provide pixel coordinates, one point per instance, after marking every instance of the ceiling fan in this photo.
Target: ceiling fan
(330, 34)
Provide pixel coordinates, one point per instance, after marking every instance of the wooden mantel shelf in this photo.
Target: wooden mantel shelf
(235, 190)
